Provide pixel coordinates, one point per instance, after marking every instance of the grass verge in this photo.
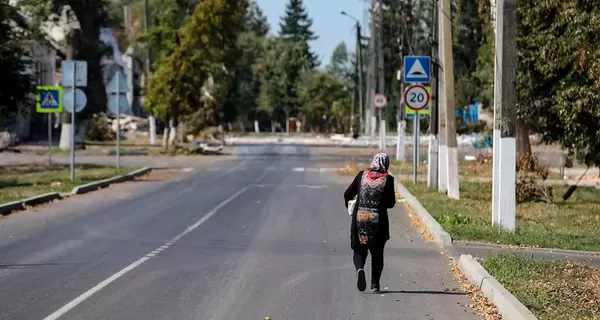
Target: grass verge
(550, 289)
(23, 181)
(466, 169)
(571, 224)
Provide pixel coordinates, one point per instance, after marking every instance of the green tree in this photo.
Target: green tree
(326, 102)
(340, 64)
(559, 67)
(284, 64)
(468, 37)
(256, 21)
(13, 59)
(295, 26)
(207, 49)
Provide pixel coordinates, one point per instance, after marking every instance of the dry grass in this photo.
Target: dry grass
(23, 181)
(571, 224)
(550, 289)
(482, 305)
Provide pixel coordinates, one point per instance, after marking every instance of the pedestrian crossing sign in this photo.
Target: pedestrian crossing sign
(49, 99)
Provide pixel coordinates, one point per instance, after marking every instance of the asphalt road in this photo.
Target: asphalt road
(243, 238)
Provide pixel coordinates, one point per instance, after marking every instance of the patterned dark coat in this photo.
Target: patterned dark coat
(375, 194)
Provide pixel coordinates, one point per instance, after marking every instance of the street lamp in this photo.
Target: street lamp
(358, 69)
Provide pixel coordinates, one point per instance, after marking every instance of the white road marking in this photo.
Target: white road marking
(84, 296)
(187, 169)
(298, 169)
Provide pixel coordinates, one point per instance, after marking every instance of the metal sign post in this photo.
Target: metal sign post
(416, 98)
(117, 88)
(74, 75)
(49, 99)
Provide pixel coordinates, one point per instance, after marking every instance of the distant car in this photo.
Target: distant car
(204, 146)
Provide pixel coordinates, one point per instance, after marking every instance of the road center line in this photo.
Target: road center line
(84, 296)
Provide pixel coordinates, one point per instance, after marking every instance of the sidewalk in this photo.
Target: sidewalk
(479, 249)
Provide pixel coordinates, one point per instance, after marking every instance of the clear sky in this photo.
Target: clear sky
(331, 27)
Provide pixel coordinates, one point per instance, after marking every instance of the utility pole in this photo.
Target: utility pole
(370, 110)
(359, 63)
(400, 113)
(380, 74)
(441, 110)
(505, 100)
(450, 113)
(496, 132)
(432, 163)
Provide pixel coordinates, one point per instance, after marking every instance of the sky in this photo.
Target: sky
(331, 26)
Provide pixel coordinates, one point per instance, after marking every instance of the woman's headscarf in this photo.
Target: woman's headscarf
(380, 163)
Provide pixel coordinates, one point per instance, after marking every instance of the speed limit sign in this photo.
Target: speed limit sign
(379, 100)
(416, 97)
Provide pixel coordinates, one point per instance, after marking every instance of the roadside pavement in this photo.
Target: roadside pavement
(482, 250)
(222, 244)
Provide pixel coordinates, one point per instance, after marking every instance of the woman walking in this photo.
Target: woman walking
(370, 229)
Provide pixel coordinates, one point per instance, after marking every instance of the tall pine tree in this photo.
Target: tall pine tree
(256, 21)
(295, 26)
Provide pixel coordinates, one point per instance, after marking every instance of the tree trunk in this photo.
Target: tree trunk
(524, 153)
(523, 143)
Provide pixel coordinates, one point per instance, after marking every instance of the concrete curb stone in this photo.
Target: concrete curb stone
(442, 237)
(8, 208)
(508, 305)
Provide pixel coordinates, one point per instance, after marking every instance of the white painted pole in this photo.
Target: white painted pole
(496, 134)
(441, 113)
(506, 57)
(450, 114)
(432, 161)
(400, 154)
(152, 125)
(118, 112)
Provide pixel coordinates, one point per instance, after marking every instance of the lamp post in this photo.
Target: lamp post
(358, 69)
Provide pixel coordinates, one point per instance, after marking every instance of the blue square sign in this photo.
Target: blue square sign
(417, 69)
(49, 99)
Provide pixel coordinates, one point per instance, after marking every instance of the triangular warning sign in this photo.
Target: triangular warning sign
(417, 70)
(49, 100)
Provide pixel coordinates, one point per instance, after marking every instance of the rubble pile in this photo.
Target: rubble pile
(129, 125)
(7, 140)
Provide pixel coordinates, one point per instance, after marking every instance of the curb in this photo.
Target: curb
(8, 208)
(92, 186)
(508, 306)
(19, 205)
(442, 237)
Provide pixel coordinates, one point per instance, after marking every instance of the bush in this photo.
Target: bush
(98, 129)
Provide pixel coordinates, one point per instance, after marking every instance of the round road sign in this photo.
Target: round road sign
(380, 101)
(416, 97)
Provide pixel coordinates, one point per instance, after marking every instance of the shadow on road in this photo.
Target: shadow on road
(422, 292)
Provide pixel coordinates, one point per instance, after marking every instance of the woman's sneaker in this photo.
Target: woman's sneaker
(361, 282)
(375, 287)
